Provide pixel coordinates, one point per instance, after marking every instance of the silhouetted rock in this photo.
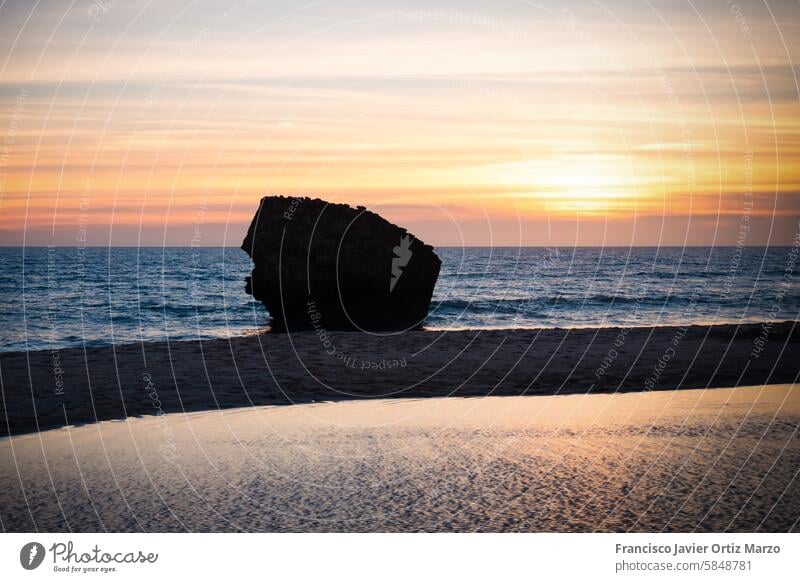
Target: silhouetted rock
(330, 266)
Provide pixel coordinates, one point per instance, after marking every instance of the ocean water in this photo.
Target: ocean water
(68, 297)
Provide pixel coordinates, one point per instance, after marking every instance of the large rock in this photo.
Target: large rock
(323, 265)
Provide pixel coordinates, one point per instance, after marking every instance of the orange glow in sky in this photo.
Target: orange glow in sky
(508, 123)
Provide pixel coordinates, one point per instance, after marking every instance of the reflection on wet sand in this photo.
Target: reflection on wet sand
(706, 460)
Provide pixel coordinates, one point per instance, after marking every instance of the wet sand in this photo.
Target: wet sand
(43, 390)
(689, 460)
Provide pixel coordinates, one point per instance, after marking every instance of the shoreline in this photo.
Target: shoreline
(702, 324)
(51, 389)
(267, 330)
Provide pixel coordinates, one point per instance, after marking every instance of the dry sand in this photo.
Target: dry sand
(704, 460)
(44, 390)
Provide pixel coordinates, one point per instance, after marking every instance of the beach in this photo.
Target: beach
(720, 460)
(596, 429)
(51, 389)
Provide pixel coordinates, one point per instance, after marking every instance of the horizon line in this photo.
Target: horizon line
(696, 246)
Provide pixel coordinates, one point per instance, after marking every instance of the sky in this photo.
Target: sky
(621, 122)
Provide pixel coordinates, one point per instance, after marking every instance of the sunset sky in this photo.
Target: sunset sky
(471, 123)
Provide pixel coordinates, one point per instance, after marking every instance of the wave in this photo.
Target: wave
(564, 301)
(159, 293)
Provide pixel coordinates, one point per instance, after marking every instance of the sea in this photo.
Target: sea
(59, 297)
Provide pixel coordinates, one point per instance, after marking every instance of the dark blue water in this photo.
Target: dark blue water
(60, 297)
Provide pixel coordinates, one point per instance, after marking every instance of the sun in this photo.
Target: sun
(566, 184)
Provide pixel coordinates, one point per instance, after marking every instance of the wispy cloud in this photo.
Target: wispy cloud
(540, 113)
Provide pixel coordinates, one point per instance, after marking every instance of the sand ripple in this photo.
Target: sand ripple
(705, 460)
